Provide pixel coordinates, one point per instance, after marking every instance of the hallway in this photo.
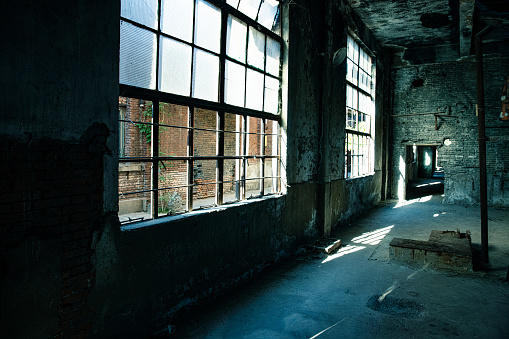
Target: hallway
(356, 292)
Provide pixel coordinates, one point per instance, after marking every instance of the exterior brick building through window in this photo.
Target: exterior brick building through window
(360, 111)
(199, 105)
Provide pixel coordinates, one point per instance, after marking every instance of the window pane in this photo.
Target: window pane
(204, 177)
(271, 95)
(267, 13)
(143, 12)
(204, 141)
(231, 139)
(253, 136)
(249, 7)
(172, 196)
(233, 3)
(173, 140)
(175, 64)
(229, 183)
(273, 54)
(235, 82)
(133, 179)
(137, 56)
(236, 39)
(254, 90)
(208, 26)
(205, 75)
(252, 173)
(177, 18)
(352, 71)
(138, 128)
(256, 48)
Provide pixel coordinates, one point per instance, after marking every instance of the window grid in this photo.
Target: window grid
(360, 108)
(158, 160)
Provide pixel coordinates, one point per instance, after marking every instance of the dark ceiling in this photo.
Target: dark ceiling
(424, 31)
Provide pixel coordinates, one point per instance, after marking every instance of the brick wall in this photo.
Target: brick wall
(451, 88)
(173, 142)
(51, 192)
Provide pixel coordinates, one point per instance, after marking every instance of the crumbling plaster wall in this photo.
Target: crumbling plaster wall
(451, 88)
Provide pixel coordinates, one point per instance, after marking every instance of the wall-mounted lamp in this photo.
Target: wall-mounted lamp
(447, 142)
(339, 56)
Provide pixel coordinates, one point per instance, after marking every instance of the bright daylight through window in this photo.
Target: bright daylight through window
(199, 105)
(360, 111)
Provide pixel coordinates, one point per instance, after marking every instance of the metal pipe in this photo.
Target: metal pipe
(482, 144)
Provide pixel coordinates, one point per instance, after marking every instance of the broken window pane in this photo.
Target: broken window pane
(175, 64)
(207, 26)
(205, 75)
(256, 48)
(267, 13)
(249, 7)
(204, 136)
(172, 200)
(230, 185)
(137, 62)
(235, 80)
(143, 12)
(236, 39)
(254, 90)
(233, 3)
(177, 18)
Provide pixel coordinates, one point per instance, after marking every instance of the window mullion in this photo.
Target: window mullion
(262, 153)
(155, 161)
(190, 162)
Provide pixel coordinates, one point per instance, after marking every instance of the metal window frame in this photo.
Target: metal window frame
(356, 132)
(220, 107)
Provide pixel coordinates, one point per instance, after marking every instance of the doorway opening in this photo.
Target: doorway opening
(426, 176)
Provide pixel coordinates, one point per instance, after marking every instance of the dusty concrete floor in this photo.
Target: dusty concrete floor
(356, 292)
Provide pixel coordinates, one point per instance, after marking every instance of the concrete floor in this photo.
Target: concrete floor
(356, 292)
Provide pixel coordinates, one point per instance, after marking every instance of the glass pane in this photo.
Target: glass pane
(252, 173)
(254, 90)
(137, 56)
(205, 75)
(236, 39)
(204, 141)
(143, 12)
(172, 140)
(138, 129)
(175, 65)
(352, 71)
(229, 185)
(350, 47)
(207, 26)
(253, 137)
(349, 96)
(204, 177)
(233, 3)
(231, 139)
(133, 179)
(271, 95)
(273, 53)
(235, 84)
(172, 195)
(249, 7)
(256, 48)
(267, 13)
(177, 18)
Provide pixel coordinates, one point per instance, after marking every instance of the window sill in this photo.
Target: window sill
(361, 177)
(175, 218)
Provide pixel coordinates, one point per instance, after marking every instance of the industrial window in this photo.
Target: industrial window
(360, 111)
(200, 83)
